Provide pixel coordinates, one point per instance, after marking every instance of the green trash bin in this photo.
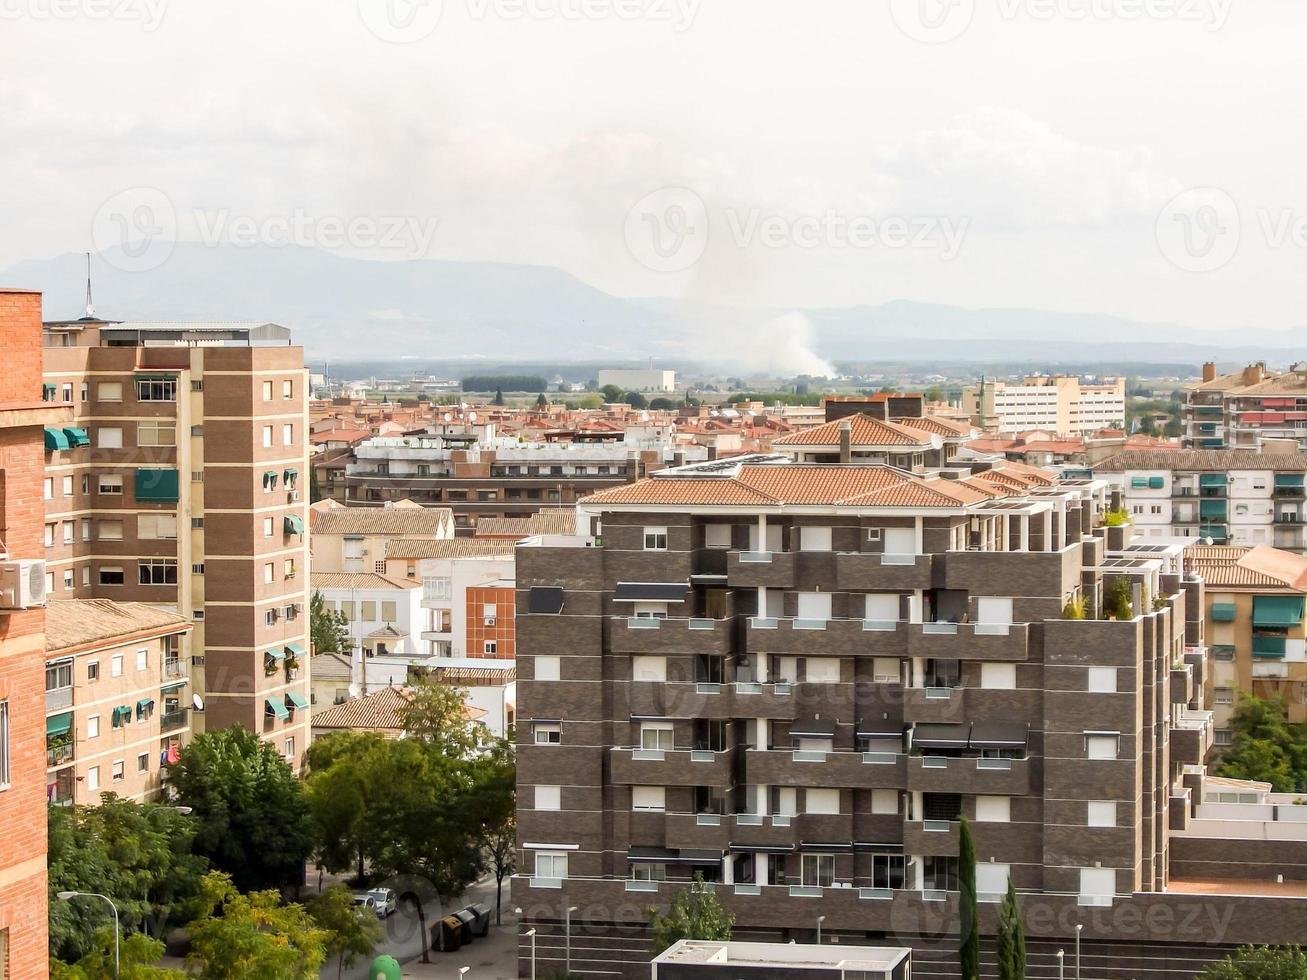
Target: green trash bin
(384, 968)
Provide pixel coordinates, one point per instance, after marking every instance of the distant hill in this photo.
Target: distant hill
(347, 307)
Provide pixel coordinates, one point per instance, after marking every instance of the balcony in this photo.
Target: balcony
(727, 702)
(707, 830)
(830, 770)
(760, 569)
(934, 704)
(58, 753)
(938, 838)
(761, 830)
(170, 721)
(969, 775)
(710, 637)
(1006, 642)
(59, 697)
(1192, 737)
(172, 669)
(856, 572)
(676, 767)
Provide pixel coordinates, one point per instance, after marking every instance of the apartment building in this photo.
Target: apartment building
(1065, 405)
(794, 679)
(179, 484)
(353, 539)
(1253, 408)
(117, 699)
(1254, 615)
(638, 380)
(384, 615)
(24, 948)
(1235, 497)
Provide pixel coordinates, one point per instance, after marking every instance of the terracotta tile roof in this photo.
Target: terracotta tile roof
(329, 666)
(724, 493)
(1264, 567)
(934, 425)
(449, 548)
(1211, 460)
(73, 623)
(357, 580)
(867, 431)
(408, 521)
(380, 710)
(555, 520)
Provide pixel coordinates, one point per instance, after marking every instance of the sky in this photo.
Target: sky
(1140, 158)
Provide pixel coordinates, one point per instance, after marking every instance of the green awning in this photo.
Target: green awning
(144, 706)
(157, 486)
(1268, 646)
(1288, 479)
(77, 437)
(48, 392)
(295, 700)
(290, 476)
(1214, 444)
(1223, 612)
(120, 713)
(1277, 611)
(59, 724)
(292, 524)
(1216, 532)
(174, 686)
(1156, 482)
(1138, 482)
(154, 377)
(1213, 479)
(55, 439)
(1212, 509)
(275, 653)
(269, 478)
(294, 650)
(273, 706)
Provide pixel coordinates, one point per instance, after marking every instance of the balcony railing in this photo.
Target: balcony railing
(172, 668)
(58, 755)
(59, 697)
(172, 720)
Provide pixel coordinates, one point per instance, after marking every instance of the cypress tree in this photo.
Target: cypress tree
(969, 948)
(1011, 937)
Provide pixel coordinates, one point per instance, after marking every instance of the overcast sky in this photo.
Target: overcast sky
(1033, 153)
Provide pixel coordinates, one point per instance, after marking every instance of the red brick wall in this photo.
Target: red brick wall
(22, 656)
(503, 632)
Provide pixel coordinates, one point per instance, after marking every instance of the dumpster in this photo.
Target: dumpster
(469, 925)
(481, 918)
(447, 934)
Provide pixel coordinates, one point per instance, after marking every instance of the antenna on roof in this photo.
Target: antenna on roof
(89, 313)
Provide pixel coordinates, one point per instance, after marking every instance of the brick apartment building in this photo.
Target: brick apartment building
(795, 679)
(1253, 408)
(23, 912)
(182, 482)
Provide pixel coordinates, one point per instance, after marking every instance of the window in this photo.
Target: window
(1223, 736)
(111, 530)
(288, 389)
(547, 733)
(815, 539)
(59, 675)
(657, 736)
(156, 390)
(93, 671)
(368, 611)
(270, 617)
(267, 391)
(270, 572)
(885, 670)
(551, 864)
(119, 770)
(152, 527)
(649, 798)
(1102, 746)
(66, 391)
(288, 434)
(93, 726)
(288, 748)
(142, 659)
(649, 668)
(814, 605)
(655, 539)
(821, 800)
(86, 529)
(109, 437)
(157, 571)
(268, 525)
(68, 486)
(86, 575)
(156, 433)
(548, 797)
(109, 391)
(887, 870)
(49, 535)
(111, 576)
(4, 744)
(993, 809)
(110, 483)
(69, 531)
(998, 677)
(1224, 695)
(488, 613)
(389, 611)
(1098, 882)
(818, 870)
(267, 437)
(885, 801)
(821, 670)
(116, 666)
(93, 778)
(717, 536)
(489, 648)
(1102, 680)
(143, 762)
(47, 491)
(1102, 813)
(549, 668)
(288, 571)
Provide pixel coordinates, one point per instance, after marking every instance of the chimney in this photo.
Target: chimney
(1255, 373)
(846, 440)
(1209, 371)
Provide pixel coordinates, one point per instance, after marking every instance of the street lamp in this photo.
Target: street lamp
(820, 920)
(462, 970)
(532, 934)
(570, 910)
(69, 896)
(1080, 926)
(185, 811)
(1061, 958)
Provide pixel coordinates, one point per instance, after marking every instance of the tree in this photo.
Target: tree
(138, 957)
(636, 400)
(253, 936)
(139, 854)
(328, 630)
(611, 393)
(1011, 937)
(933, 394)
(696, 913)
(541, 400)
(437, 714)
(969, 947)
(339, 788)
(252, 819)
(1265, 746)
(1260, 963)
(499, 397)
(662, 404)
(494, 801)
(1117, 599)
(351, 931)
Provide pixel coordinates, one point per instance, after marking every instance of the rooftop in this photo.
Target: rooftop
(358, 580)
(73, 623)
(786, 956)
(1262, 567)
(555, 520)
(380, 710)
(866, 431)
(449, 548)
(412, 521)
(1213, 460)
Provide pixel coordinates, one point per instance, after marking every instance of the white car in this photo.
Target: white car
(386, 901)
(365, 901)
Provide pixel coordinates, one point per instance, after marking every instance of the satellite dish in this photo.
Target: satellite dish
(644, 416)
(353, 690)
(448, 417)
(197, 702)
(472, 416)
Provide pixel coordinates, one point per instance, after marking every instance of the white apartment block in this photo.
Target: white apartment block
(650, 380)
(1058, 404)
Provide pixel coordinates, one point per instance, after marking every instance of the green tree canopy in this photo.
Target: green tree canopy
(351, 932)
(251, 815)
(695, 913)
(636, 400)
(1265, 746)
(328, 630)
(1011, 937)
(1260, 963)
(969, 946)
(253, 936)
(611, 393)
(138, 957)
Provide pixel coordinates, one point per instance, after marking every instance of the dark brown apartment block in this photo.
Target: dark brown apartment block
(796, 679)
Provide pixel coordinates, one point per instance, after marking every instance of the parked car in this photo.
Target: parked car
(365, 902)
(386, 899)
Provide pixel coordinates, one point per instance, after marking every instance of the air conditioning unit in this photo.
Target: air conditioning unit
(293, 495)
(22, 584)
